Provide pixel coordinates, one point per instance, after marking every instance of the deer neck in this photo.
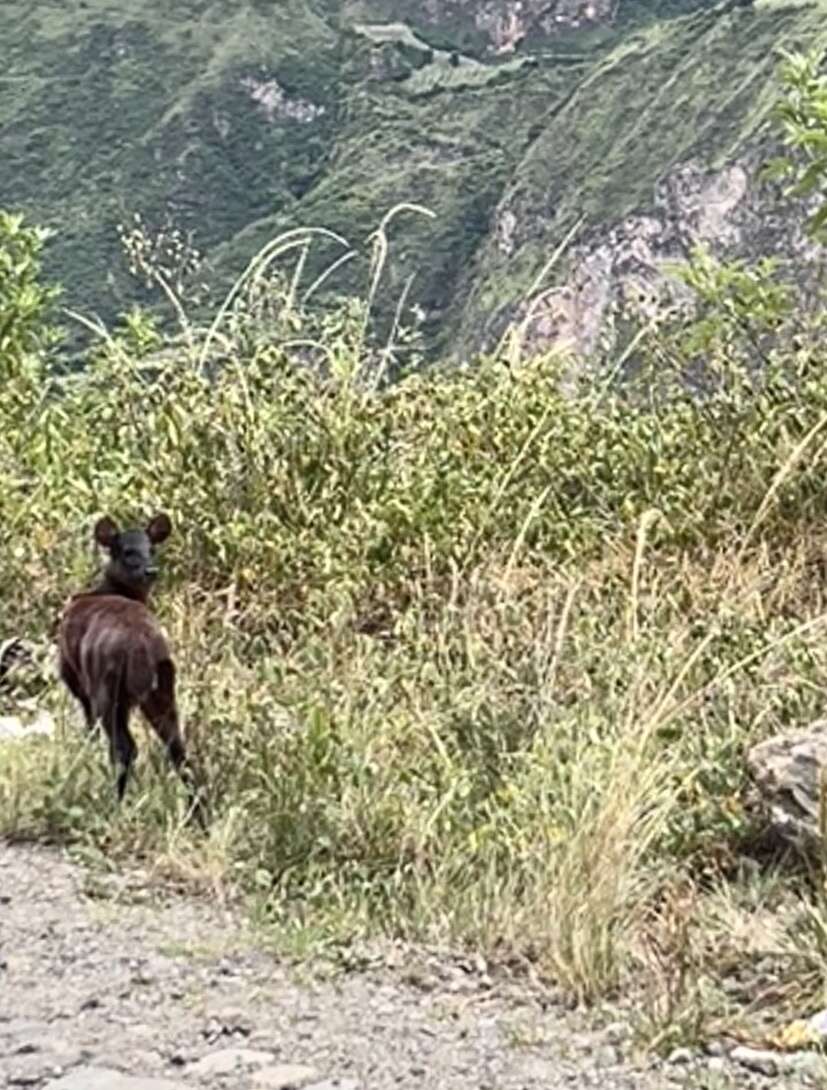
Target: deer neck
(115, 587)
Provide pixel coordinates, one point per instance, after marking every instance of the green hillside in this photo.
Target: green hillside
(234, 121)
(698, 88)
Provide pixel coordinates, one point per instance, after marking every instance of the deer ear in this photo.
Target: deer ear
(105, 532)
(159, 529)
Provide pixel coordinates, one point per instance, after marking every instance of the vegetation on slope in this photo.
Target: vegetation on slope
(696, 89)
(137, 107)
(462, 659)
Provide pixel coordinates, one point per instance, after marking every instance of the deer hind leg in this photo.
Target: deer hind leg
(72, 682)
(122, 748)
(161, 712)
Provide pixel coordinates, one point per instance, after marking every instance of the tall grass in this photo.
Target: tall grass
(463, 659)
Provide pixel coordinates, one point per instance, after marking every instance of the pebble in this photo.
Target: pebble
(616, 1032)
(606, 1056)
(680, 1056)
(30, 1068)
(335, 1084)
(228, 1060)
(756, 1059)
(101, 1078)
(23, 1027)
(808, 1064)
(60, 1053)
(229, 1020)
(284, 1077)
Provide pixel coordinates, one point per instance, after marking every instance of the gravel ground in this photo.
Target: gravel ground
(110, 985)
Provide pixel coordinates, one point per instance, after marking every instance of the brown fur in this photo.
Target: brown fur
(113, 656)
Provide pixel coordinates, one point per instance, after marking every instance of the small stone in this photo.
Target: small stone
(680, 1056)
(146, 1059)
(18, 1027)
(606, 1056)
(231, 1020)
(716, 1065)
(616, 1032)
(537, 1070)
(809, 1065)
(756, 1059)
(45, 1042)
(335, 1084)
(30, 1066)
(284, 1077)
(147, 1033)
(228, 1060)
(100, 1078)
(715, 1048)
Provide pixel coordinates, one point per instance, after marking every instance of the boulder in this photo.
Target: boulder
(787, 775)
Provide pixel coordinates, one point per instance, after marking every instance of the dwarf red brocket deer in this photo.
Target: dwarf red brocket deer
(113, 656)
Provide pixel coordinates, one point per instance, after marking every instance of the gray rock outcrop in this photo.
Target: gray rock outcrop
(788, 771)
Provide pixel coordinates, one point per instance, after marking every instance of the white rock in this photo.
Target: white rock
(335, 1084)
(616, 1032)
(680, 1056)
(100, 1078)
(756, 1059)
(13, 729)
(228, 1060)
(284, 1077)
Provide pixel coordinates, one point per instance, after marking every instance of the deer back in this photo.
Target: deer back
(105, 637)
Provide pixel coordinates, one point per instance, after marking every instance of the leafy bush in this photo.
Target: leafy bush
(802, 113)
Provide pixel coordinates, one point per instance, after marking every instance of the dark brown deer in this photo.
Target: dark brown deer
(113, 656)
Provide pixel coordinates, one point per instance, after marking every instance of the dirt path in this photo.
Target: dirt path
(131, 991)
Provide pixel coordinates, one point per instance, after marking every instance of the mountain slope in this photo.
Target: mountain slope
(235, 121)
(691, 96)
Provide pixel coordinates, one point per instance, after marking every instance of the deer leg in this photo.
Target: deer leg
(115, 719)
(72, 682)
(124, 755)
(161, 712)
